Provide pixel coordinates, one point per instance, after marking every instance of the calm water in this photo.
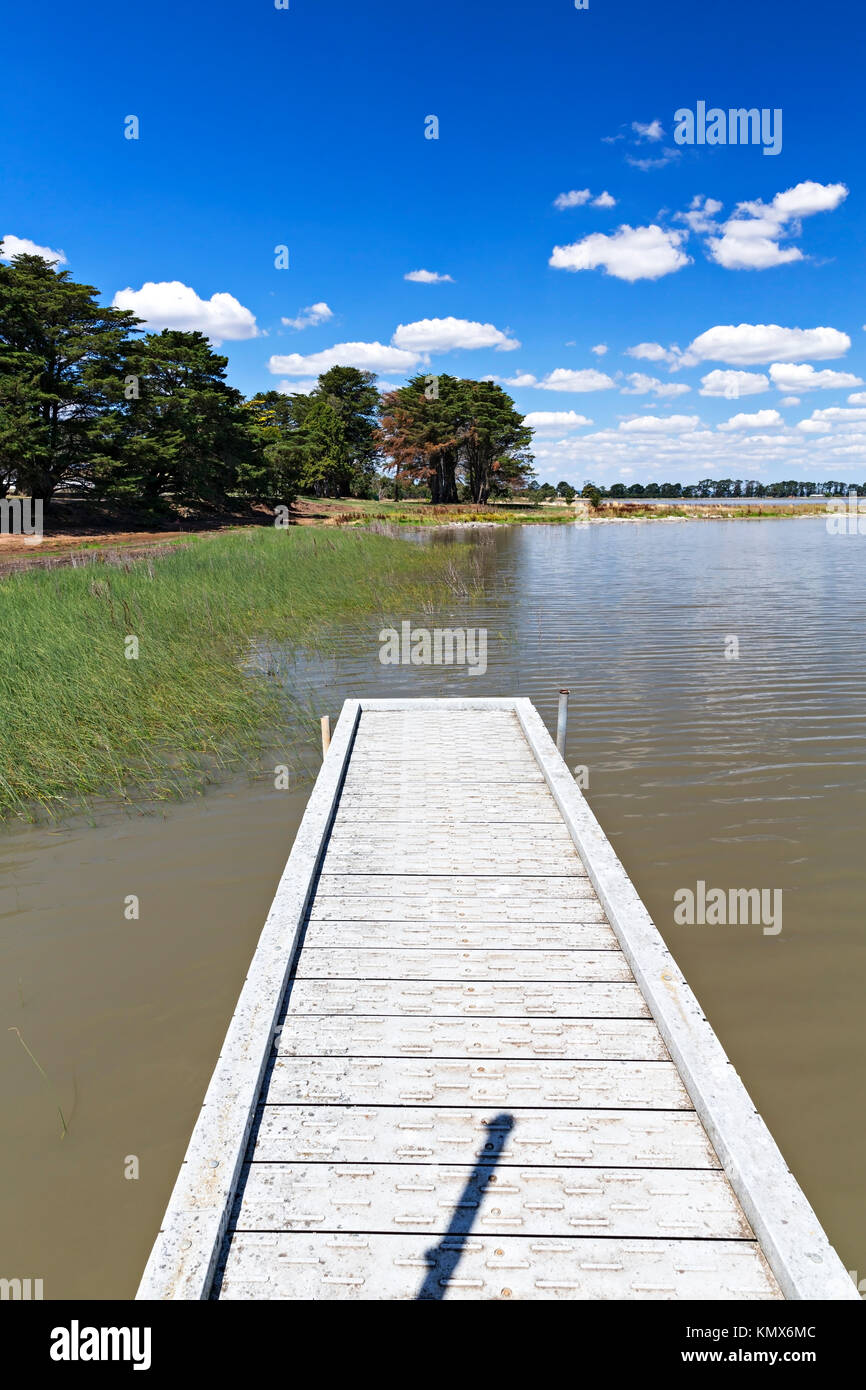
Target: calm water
(743, 773)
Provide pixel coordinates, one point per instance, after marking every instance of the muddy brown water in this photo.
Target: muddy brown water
(747, 772)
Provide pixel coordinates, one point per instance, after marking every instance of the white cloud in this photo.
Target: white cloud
(652, 131)
(794, 400)
(750, 238)
(428, 277)
(660, 424)
(641, 385)
(303, 387)
(578, 197)
(759, 420)
(858, 398)
(21, 246)
(630, 253)
(653, 352)
(747, 344)
(310, 317)
(600, 349)
(368, 357)
(555, 420)
(171, 304)
(813, 427)
(667, 156)
(792, 376)
(587, 379)
(446, 335)
(574, 199)
(731, 384)
(700, 217)
(522, 379)
(838, 414)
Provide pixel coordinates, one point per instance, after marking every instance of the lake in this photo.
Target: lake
(718, 708)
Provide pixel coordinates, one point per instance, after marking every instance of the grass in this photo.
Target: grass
(353, 512)
(361, 511)
(80, 719)
(64, 1128)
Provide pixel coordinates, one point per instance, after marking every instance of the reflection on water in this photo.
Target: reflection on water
(741, 773)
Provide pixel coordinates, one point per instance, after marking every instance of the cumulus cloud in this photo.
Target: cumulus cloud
(587, 379)
(838, 414)
(641, 385)
(578, 197)
(428, 277)
(630, 253)
(653, 352)
(751, 237)
(760, 419)
(651, 131)
(302, 387)
(701, 213)
(545, 420)
(368, 357)
(171, 304)
(574, 199)
(21, 246)
(600, 349)
(731, 384)
(522, 379)
(660, 424)
(858, 398)
(446, 335)
(794, 400)
(793, 376)
(747, 344)
(310, 317)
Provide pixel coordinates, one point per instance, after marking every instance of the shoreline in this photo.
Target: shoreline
(93, 543)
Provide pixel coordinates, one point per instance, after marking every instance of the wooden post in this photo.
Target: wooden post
(562, 721)
(326, 733)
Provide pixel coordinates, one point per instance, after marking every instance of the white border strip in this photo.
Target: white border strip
(184, 1257)
(795, 1245)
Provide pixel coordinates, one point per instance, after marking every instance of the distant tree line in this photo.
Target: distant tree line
(708, 488)
(92, 406)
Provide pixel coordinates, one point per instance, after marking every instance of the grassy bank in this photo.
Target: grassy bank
(80, 718)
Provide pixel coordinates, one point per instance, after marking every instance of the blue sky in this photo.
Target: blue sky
(305, 128)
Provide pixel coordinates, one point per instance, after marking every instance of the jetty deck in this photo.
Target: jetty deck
(465, 1065)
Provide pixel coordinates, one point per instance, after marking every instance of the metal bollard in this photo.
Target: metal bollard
(562, 721)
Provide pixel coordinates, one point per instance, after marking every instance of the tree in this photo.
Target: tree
(352, 395)
(327, 455)
(273, 471)
(184, 429)
(62, 361)
(492, 434)
(566, 491)
(455, 429)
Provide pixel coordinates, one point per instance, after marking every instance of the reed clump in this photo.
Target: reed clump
(84, 716)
